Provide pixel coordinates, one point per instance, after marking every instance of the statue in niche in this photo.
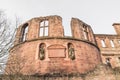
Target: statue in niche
(42, 52)
(71, 52)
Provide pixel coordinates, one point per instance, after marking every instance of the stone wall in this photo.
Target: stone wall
(110, 48)
(87, 56)
(41, 47)
(77, 57)
(101, 72)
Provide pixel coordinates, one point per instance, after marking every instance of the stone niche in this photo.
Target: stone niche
(56, 51)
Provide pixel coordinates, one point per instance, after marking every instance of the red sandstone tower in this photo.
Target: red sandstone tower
(40, 47)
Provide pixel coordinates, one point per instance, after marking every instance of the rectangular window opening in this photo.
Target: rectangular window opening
(103, 43)
(85, 32)
(85, 35)
(112, 43)
(46, 23)
(43, 28)
(41, 32)
(42, 24)
(46, 31)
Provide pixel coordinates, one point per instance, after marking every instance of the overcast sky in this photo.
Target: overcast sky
(100, 14)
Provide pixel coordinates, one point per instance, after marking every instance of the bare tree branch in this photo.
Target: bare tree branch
(7, 33)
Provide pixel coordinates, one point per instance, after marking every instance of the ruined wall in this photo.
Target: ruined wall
(54, 24)
(41, 48)
(52, 52)
(87, 56)
(109, 45)
(81, 30)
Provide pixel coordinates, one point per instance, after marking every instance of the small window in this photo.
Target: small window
(24, 32)
(85, 32)
(103, 43)
(108, 62)
(42, 24)
(112, 43)
(46, 31)
(41, 32)
(43, 28)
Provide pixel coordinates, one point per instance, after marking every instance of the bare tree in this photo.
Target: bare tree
(7, 34)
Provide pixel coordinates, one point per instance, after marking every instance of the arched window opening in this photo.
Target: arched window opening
(24, 32)
(43, 28)
(85, 33)
(112, 43)
(103, 43)
(42, 51)
(71, 51)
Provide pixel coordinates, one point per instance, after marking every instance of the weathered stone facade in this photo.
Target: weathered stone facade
(52, 51)
(41, 47)
(109, 45)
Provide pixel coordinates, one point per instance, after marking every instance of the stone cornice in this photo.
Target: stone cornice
(65, 38)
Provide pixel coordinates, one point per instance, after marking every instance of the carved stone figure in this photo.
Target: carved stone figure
(71, 53)
(42, 53)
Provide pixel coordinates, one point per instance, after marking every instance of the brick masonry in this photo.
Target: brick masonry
(88, 50)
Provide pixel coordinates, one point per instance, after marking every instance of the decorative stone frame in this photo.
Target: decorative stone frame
(56, 51)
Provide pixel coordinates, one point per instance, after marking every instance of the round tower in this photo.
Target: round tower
(40, 47)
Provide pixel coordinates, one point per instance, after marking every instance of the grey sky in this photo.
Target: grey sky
(100, 14)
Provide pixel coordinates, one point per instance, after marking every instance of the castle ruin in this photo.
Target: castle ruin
(41, 47)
